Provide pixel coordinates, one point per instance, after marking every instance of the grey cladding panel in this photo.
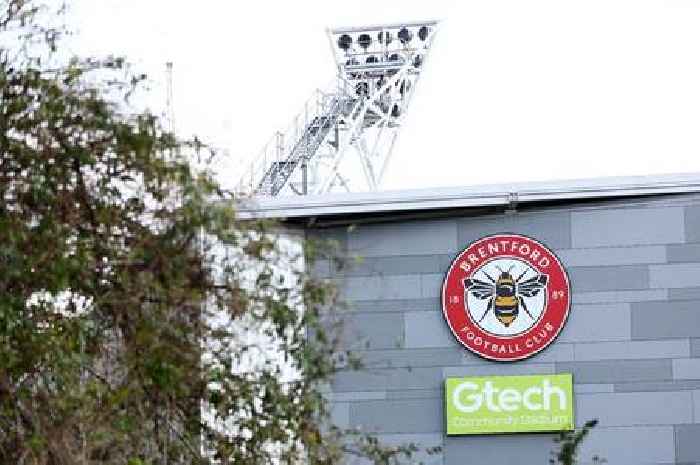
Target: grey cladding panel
(631, 446)
(388, 379)
(553, 229)
(584, 324)
(408, 238)
(400, 265)
(395, 305)
(627, 226)
(659, 320)
(608, 278)
(635, 408)
(619, 296)
(628, 350)
(373, 331)
(398, 416)
(498, 449)
(687, 293)
(675, 275)
(692, 224)
(340, 414)
(427, 329)
(417, 394)
(683, 253)
(412, 357)
(380, 287)
(355, 396)
(686, 368)
(593, 388)
(687, 443)
(613, 256)
(695, 347)
(431, 285)
(660, 386)
(617, 371)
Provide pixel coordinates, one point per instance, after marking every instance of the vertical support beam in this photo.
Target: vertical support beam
(304, 179)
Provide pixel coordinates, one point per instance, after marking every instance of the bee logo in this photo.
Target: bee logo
(506, 295)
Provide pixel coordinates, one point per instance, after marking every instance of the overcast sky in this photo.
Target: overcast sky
(515, 90)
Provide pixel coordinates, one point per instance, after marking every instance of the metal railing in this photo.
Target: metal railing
(281, 146)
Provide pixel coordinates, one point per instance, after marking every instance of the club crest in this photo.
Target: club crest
(506, 297)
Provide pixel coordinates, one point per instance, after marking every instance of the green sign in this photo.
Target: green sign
(509, 404)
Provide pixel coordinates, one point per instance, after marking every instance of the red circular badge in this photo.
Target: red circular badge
(506, 297)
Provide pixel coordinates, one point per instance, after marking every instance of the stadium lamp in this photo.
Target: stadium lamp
(345, 42)
(365, 40)
(423, 33)
(405, 35)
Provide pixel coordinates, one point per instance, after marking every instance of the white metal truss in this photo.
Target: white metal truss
(344, 137)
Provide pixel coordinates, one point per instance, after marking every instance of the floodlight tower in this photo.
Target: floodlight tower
(344, 137)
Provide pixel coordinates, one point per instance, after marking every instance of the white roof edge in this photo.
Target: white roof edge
(471, 196)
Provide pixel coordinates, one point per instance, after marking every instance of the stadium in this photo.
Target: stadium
(489, 318)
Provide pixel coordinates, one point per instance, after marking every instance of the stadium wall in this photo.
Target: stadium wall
(632, 339)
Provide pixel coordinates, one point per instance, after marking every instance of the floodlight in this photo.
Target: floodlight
(405, 35)
(345, 42)
(364, 41)
(423, 33)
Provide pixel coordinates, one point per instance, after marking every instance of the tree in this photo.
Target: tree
(568, 445)
(140, 321)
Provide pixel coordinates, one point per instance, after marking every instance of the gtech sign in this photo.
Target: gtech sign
(509, 404)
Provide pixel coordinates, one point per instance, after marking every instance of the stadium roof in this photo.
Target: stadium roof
(494, 195)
